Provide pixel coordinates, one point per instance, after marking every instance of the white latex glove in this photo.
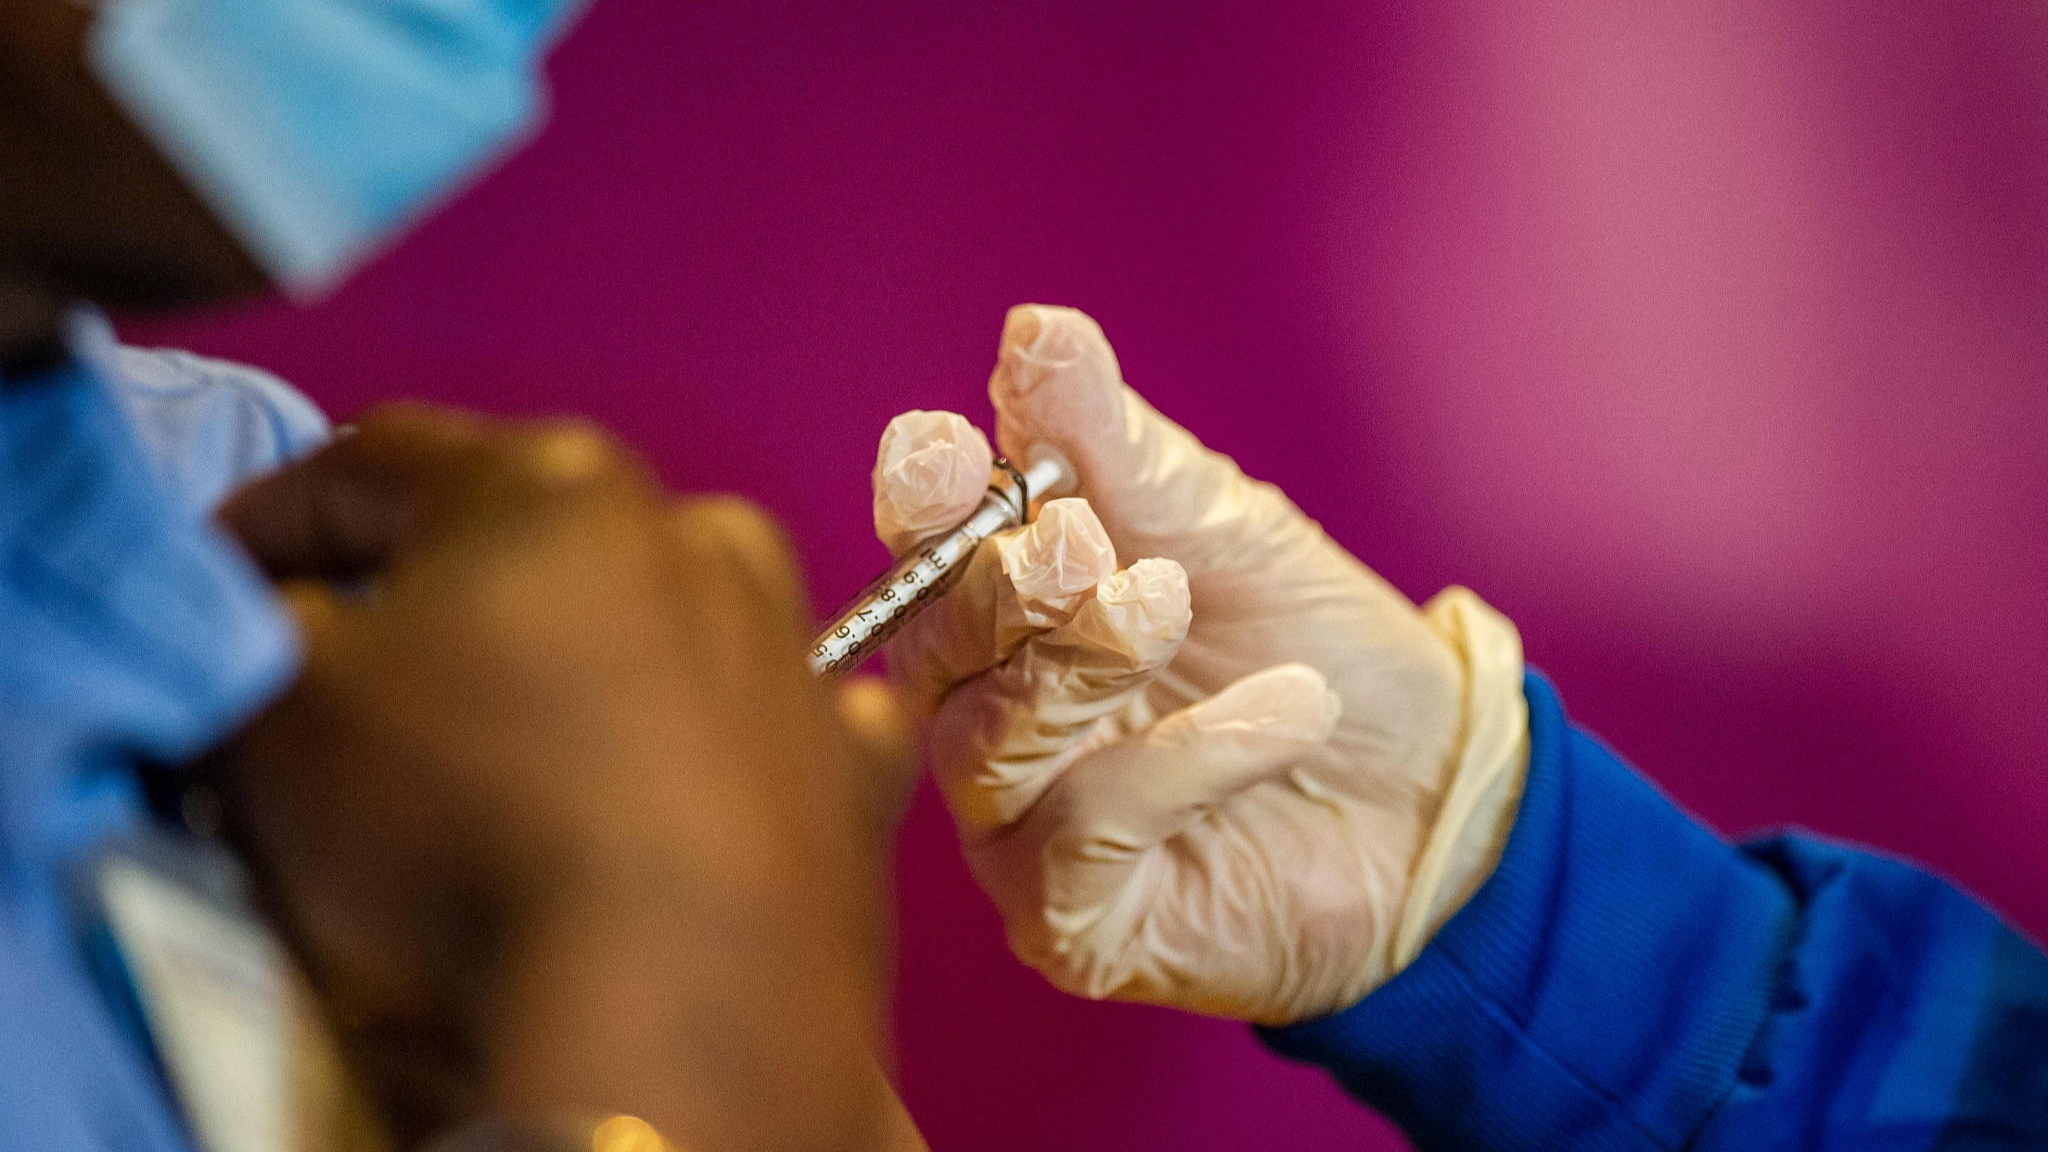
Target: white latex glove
(1260, 809)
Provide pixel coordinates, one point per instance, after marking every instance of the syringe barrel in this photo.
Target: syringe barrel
(924, 573)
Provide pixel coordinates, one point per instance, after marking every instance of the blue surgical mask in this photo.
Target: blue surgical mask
(315, 129)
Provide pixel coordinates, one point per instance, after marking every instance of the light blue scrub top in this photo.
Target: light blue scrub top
(129, 629)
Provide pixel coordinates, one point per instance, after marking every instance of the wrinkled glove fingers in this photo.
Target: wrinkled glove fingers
(931, 469)
(1001, 738)
(1017, 585)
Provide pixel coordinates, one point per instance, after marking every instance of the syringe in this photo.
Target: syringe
(923, 573)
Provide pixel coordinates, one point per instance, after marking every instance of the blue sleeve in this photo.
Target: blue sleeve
(129, 629)
(1628, 980)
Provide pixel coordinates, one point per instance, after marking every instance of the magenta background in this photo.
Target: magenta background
(1708, 341)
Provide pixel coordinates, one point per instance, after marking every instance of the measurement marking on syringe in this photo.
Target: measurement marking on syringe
(875, 615)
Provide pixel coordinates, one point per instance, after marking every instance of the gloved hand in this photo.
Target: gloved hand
(1242, 776)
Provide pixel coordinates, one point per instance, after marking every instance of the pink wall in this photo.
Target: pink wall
(1706, 340)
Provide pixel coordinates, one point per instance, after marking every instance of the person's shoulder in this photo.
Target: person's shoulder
(210, 425)
(174, 379)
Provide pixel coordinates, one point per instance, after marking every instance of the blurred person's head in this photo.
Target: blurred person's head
(162, 152)
(88, 208)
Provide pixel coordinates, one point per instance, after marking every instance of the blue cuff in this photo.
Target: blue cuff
(1599, 991)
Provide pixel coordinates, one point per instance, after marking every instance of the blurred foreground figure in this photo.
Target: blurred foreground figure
(557, 815)
(554, 815)
(1201, 757)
